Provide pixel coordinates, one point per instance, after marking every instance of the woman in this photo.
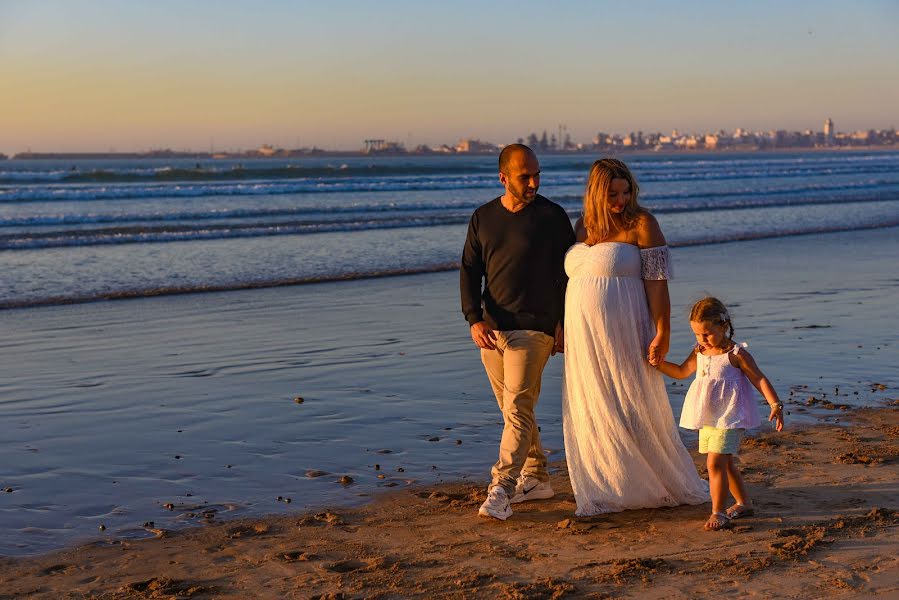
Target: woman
(621, 441)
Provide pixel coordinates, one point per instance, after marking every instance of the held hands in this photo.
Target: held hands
(558, 340)
(658, 348)
(777, 415)
(483, 336)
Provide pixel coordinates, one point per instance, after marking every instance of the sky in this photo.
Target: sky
(134, 75)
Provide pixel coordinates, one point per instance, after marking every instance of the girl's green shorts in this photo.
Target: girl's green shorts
(720, 441)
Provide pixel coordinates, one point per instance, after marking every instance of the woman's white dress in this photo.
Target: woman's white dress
(621, 441)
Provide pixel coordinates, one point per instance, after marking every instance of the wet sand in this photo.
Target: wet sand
(177, 417)
(114, 410)
(827, 511)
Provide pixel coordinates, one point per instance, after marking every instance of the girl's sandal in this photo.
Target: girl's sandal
(717, 521)
(740, 510)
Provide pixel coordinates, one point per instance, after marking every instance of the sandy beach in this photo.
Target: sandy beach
(157, 449)
(825, 526)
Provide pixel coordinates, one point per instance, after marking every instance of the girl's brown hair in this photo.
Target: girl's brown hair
(712, 310)
(597, 218)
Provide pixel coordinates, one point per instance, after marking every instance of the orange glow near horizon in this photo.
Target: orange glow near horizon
(108, 76)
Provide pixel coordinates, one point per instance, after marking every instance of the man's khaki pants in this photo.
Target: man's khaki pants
(515, 369)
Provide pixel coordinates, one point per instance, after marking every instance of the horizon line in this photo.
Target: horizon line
(398, 143)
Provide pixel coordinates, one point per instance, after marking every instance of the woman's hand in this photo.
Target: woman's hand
(658, 349)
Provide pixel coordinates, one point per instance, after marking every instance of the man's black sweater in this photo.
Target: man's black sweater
(519, 257)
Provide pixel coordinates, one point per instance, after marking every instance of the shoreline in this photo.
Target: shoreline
(820, 490)
(399, 272)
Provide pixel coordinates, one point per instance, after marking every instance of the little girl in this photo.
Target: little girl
(720, 404)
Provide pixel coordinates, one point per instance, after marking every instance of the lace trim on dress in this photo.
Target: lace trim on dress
(656, 263)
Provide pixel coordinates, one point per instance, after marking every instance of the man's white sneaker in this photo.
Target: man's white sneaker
(531, 488)
(496, 505)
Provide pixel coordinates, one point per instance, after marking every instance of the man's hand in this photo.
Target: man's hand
(559, 340)
(483, 336)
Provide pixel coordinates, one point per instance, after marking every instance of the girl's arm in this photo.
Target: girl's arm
(649, 235)
(681, 371)
(744, 361)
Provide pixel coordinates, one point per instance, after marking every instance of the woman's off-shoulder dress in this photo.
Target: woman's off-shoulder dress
(621, 441)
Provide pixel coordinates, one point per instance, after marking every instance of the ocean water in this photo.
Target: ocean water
(91, 229)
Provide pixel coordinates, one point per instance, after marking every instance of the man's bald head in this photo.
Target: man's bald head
(511, 151)
(519, 172)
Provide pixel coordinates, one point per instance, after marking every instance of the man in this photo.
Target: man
(516, 245)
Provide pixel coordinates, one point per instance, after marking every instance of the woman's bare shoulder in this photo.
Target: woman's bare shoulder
(645, 219)
(649, 234)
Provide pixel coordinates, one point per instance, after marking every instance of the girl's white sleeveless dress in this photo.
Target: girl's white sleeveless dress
(720, 396)
(621, 441)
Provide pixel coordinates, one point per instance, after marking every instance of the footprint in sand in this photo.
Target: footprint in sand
(297, 556)
(344, 566)
(351, 565)
(248, 530)
(57, 569)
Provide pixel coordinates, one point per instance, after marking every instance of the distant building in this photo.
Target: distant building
(470, 145)
(604, 140)
(862, 137)
(828, 131)
(383, 147)
(267, 150)
(692, 142)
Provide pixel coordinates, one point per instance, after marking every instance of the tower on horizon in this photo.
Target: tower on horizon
(828, 131)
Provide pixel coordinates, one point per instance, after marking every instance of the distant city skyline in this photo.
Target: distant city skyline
(96, 75)
(827, 137)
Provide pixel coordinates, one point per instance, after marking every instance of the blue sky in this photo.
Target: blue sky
(96, 75)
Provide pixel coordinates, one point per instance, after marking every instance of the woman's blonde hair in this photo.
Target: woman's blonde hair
(597, 218)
